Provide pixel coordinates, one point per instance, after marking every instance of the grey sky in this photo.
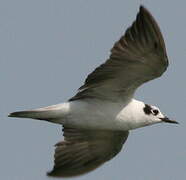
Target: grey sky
(48, 47)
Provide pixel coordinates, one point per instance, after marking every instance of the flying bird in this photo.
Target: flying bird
(97, 120)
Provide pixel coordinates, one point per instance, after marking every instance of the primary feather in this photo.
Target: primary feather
(139, 56)
(84, 150)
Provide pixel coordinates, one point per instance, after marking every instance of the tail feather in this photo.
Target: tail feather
(34, 114)
(48, 113)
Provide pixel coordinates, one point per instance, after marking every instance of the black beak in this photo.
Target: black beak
(167, 120)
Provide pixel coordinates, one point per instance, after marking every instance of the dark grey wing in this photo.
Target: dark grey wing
(85, 150)
(139, 56)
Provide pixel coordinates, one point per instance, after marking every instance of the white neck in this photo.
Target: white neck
(133, 116)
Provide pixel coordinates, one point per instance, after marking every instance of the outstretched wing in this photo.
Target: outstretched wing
(85, 150)
(139, 56)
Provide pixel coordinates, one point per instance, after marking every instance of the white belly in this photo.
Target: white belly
(98, 115)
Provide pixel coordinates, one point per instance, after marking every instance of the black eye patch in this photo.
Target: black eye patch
(147, 109)
(155, 112)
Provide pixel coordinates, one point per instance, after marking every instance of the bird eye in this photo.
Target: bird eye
(155, 112)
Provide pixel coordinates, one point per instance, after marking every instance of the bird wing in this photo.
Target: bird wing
(139, 56)
(85, 150)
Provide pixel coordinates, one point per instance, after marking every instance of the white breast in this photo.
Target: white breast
(101, 115)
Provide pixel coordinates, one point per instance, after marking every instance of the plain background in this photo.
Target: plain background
(48, 47)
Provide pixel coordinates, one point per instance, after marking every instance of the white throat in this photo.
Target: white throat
(133, 116)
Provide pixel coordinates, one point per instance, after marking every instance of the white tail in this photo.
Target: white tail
(49, 113)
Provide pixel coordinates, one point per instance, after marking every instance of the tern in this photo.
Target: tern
(97, 120)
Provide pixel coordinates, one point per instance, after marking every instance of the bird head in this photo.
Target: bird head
(154, 114)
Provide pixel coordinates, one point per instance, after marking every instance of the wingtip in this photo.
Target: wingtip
(49, 173)
(143, 9)
(56, 174)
